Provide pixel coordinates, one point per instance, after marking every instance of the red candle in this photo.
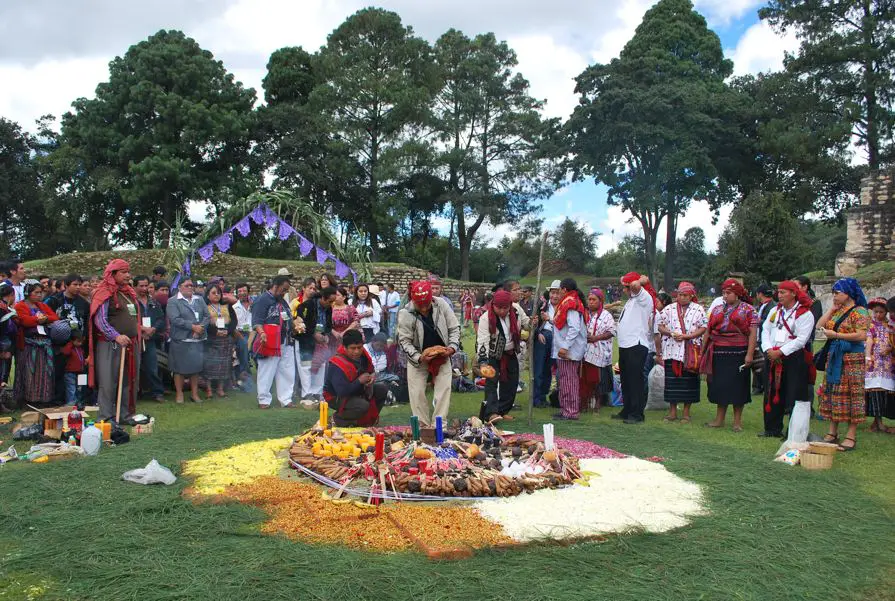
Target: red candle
(380, 446)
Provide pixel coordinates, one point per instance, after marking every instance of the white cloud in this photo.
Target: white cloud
(610, 43)
(760, 49)
(551, 69)
(49, 86)
(722, 12)
(619, 224)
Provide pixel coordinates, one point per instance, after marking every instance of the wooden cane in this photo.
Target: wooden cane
(534, 331)
(120, 386)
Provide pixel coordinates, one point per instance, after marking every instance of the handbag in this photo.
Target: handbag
(691, 351)
(271, 347)
(820, 359)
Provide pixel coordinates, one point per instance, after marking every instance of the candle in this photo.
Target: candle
(415, 426)
(324, 414)
(439, 430)
(548, 437)
(380, 446)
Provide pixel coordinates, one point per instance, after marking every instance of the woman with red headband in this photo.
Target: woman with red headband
(845, 325)
(569, 343)
(596, 369)
(729, 347)
(788, 358)
(682, 324)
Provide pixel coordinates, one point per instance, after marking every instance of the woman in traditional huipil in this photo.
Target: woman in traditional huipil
(879, 377)
(845, 325)
(682, 324)
(728, 350)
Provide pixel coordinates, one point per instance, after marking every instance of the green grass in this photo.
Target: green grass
(75, 530)
(876, 274)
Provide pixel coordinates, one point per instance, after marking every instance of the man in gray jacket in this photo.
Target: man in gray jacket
(429, 334)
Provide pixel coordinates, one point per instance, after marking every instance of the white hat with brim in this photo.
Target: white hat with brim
(554, 285)
(373, 288)
(283, 271)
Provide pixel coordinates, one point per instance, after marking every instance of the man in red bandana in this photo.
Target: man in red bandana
(428, 333)
(789, 369)
(499, 339)
(635, 331)
(114, 329)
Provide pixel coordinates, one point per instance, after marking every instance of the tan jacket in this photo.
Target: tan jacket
(410, 328)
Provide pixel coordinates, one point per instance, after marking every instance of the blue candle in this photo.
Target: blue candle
(439, 430)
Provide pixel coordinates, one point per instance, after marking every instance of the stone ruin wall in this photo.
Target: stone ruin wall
(870, 225)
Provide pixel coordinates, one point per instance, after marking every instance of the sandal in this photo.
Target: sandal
(831, 439)
(668, 419)
(685, 420)
(851, 448)
(713, 425)
(738, 429)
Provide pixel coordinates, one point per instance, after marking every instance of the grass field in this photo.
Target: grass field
(75, 530)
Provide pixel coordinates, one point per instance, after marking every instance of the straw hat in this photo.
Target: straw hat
(283, 271)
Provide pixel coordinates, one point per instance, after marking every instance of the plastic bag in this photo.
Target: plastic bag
(656, 397)
(790, 457)
(799, 423)
(153, 473)
(616, 399)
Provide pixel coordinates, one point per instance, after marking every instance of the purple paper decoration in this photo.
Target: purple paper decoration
(223, 242)
(206, 252)
(354, 276)
(244, 226)
(186, 266)
(322, 255)
(305, 246)
(270, 218)
(341, 269)
(257, 214)
(286, 230)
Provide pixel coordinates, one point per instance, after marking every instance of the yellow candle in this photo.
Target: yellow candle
(324, 414)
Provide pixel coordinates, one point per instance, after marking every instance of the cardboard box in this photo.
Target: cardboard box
(55, 418)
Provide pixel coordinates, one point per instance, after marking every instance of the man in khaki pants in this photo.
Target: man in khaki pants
(429, 334)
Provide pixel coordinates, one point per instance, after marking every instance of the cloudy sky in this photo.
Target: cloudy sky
(53, 51)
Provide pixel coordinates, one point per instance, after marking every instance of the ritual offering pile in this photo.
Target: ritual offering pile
(466, 460)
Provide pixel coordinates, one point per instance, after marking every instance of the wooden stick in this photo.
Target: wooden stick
(120, 385)
(532, 339)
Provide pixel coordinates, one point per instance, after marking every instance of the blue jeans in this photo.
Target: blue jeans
(71, 388)
(542, 365)
(392, 324)
(242, 353)
(149, 367)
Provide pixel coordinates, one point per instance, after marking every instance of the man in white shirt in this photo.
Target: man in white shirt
(393, 304)
(17, 278)
(784, 337)
(243, 310)
(635, 331)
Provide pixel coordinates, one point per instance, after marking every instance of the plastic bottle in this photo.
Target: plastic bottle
(91, 439)
(75, 421)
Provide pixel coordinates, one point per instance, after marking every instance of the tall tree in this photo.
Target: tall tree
(169, 127)
(495, 149)
(691, 257)
(848, 51)
(795, 142)
(378, 81)
(21, 211)
(296, 143)
(574, 244)
(653, 123)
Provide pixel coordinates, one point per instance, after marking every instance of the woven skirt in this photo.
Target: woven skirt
(680, 389)
(218, 358)
(844, 402)
(877, 403)
(728, 385)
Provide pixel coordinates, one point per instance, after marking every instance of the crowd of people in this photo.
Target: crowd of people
(113, 339)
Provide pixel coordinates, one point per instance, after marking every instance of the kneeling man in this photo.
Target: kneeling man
(349, 387)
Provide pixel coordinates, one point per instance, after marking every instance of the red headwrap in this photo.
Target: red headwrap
(108, 290)
(801, 296)
(737, 288)
(633, 276)
(600, 295)
(686, 288)
(421, 293)
(504, 300)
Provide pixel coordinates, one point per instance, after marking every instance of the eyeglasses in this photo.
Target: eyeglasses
(187, 285)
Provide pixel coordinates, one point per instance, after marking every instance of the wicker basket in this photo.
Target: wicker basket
(823, 448)
(816, 461)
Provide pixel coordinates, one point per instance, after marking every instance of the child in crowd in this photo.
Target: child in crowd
(75, 365)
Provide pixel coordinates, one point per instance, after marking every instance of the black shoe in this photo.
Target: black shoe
(563, 418)
(618, 416)
(557, 415)
(633, 420)
(767, 434)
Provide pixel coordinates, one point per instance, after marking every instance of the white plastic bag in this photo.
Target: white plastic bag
(153, 473)
(799, 423)
(656, 397)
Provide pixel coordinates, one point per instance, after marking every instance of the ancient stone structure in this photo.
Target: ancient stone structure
(871, 225)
